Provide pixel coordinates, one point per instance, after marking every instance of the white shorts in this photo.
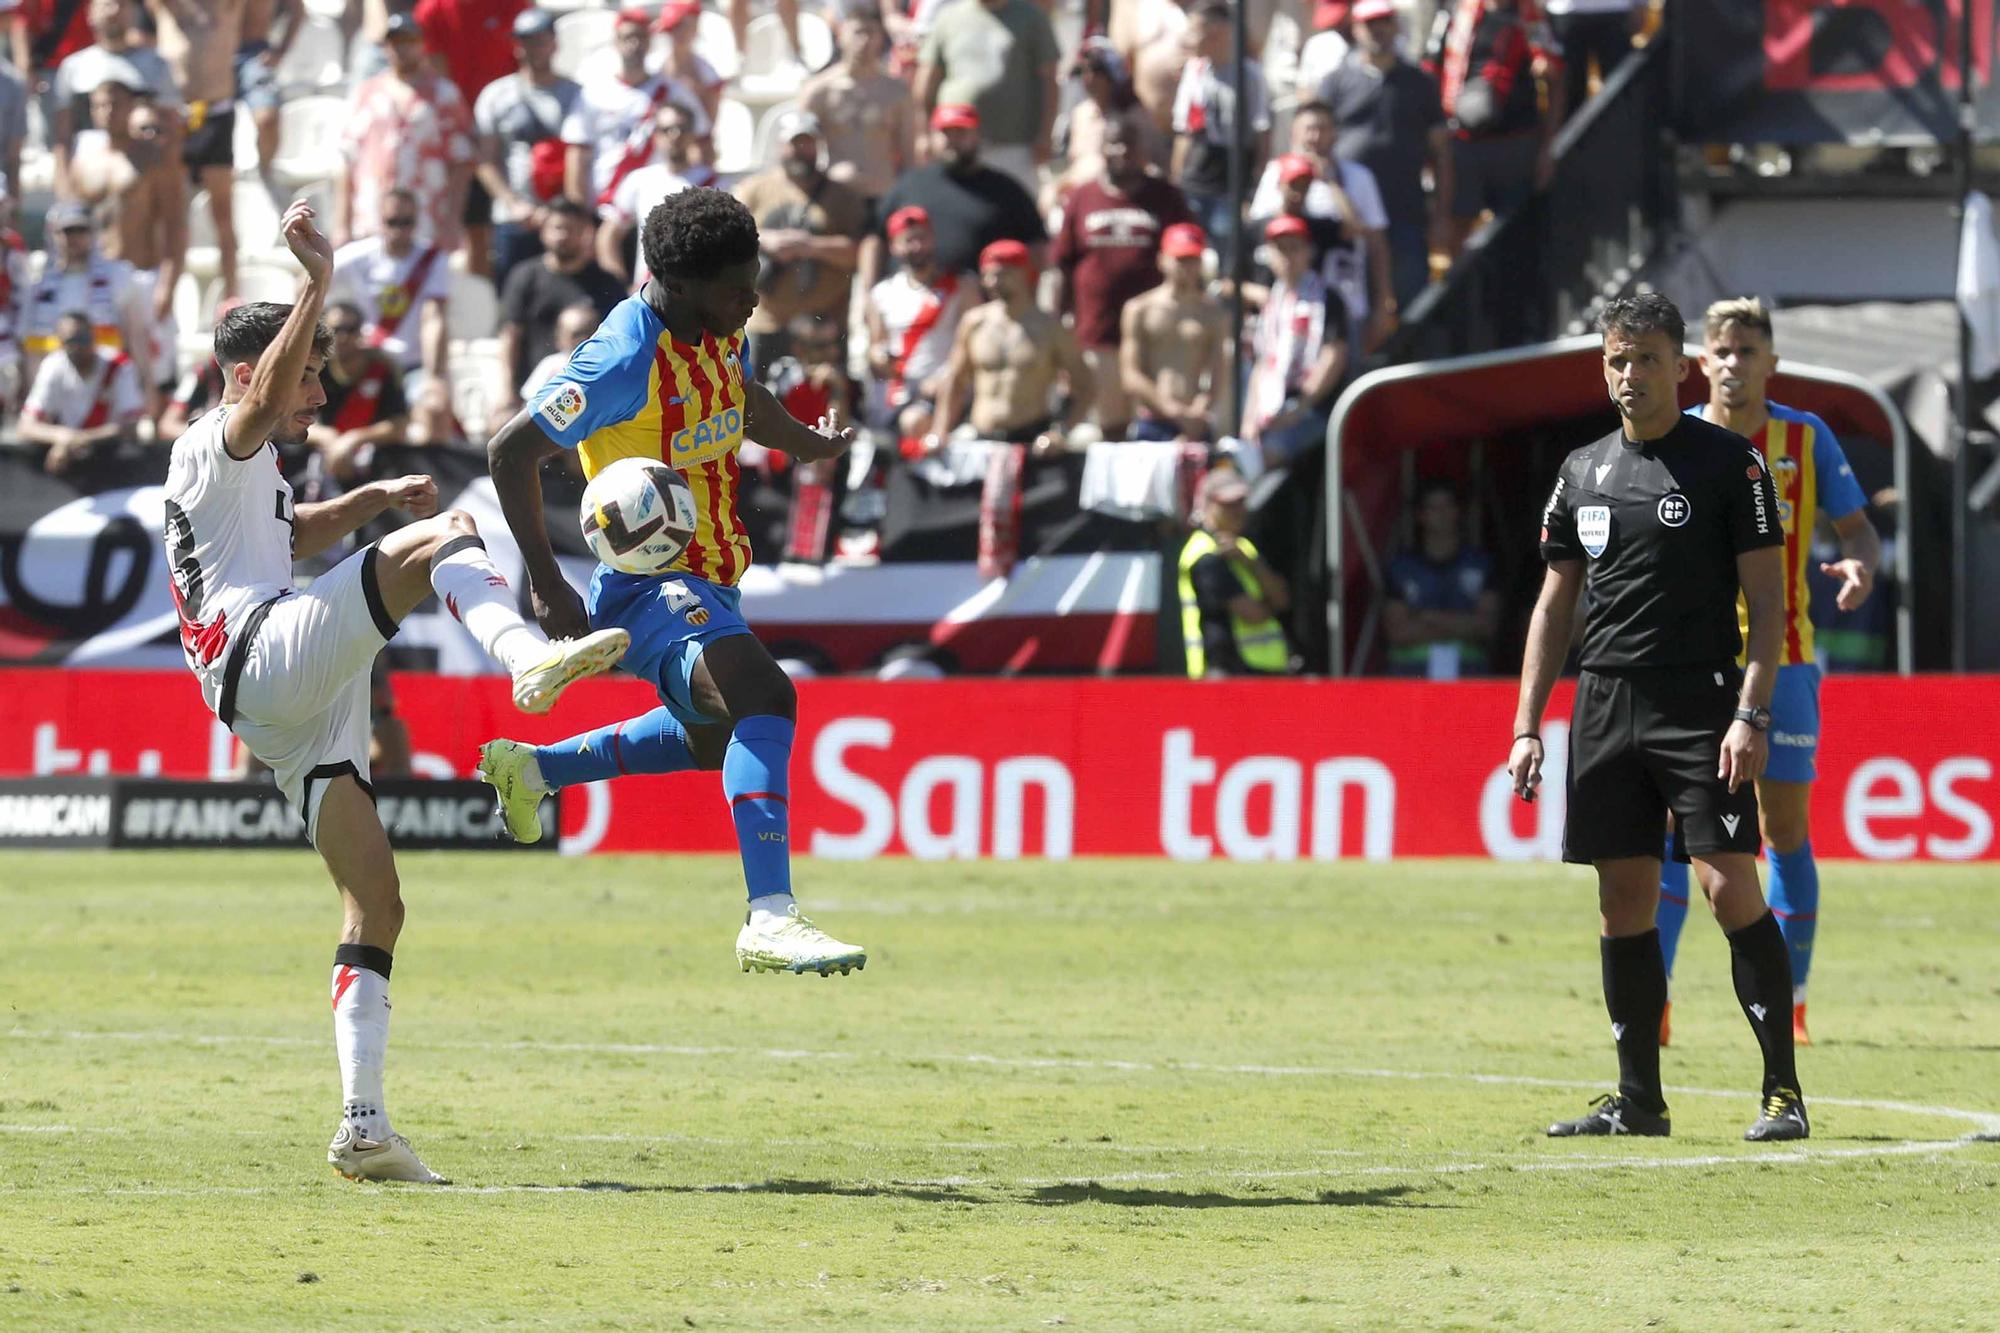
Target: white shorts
(302, 699)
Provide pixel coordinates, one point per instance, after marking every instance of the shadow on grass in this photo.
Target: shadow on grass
(1388, 1196)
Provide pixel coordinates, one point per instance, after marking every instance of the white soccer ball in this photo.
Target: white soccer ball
(638, 516)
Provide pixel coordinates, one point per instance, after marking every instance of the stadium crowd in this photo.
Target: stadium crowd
(999, 220)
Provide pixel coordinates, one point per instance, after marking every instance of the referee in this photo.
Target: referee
(1663, 521)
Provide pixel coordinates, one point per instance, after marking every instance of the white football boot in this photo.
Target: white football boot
(510, 766)
(358, 1158)
(537, 688)
(791, 943)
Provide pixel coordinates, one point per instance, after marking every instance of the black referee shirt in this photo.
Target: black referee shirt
(1660, 524)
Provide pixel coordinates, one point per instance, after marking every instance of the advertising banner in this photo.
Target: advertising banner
(1826, 71)
(1245, 770)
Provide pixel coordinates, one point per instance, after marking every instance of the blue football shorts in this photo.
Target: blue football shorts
(672, 618)
(1795, 725)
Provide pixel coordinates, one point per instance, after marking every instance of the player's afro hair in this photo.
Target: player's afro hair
(698, 233)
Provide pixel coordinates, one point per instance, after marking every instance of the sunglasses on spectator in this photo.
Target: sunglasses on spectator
(675, 128)
(344, 330)
(146, 131)
(399, 222)
(75, 228)
(79, 342)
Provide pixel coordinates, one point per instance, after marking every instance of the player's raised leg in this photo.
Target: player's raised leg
(356, 850)
(522, 774)
(445, 555)
(1635, 993)
(1762, 972)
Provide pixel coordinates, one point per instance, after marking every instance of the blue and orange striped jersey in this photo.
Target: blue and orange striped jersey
(1811, 474)
(633, 390)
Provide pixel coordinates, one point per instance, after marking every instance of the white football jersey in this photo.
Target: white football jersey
(229, 542)
(921, 322)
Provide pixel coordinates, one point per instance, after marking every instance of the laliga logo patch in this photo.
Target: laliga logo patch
(1675, 510)
(1593, 528)
(563, 405)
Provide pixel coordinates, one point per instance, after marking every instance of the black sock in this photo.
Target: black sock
(1635, 993)
(1762, 970)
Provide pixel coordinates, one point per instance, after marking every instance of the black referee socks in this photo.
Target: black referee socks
(1762, 970)
(1635, 993)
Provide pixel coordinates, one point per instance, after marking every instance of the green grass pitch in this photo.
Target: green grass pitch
(1095, 1095)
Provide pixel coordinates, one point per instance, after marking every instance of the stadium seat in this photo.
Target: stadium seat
(579, 33)
(735, 139)
(256, 216)
(476, 379)
(474, 309)
(326, 9)
(770, 70)
(317, 60)
(309, 139)
(192, 309)
(263, 280)
(715, 42)
(767, 121)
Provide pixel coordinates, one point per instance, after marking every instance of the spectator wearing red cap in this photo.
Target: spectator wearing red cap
(970, 204)
(1009, 357)
(519, 118)
(869, 117)
(1490, 58)
(1173, 349)
(1387, 117)
(808, 230)
(1345, 192)
(912, 317)
(1299, 349)
(680, 21)
(1206, 117)
(610, 133)
(1107, 252)
(408, 129)
(1000, 57)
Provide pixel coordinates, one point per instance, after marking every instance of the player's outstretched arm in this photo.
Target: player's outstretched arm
(514, 459)
(768, 423)
(318, 526)
(283, 365)
(1549, 632)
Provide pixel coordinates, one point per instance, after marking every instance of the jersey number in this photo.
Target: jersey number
(203, 643)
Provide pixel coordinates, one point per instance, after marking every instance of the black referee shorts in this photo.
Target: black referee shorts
(1642, 743)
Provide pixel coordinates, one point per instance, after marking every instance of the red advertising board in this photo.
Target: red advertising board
(1249, 770)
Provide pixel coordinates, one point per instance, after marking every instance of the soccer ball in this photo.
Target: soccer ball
(638, 516)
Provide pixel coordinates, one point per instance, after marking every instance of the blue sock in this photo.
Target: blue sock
(1673, 910)
(1794, 899)
(756, 777)
(652, 743)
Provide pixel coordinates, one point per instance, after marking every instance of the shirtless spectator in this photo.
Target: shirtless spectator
(809, 229)
(1153, 48)
(609, 134)
(912, 317)
(364, 407)
(199, 38)
(117, 53)
(519, 117)
(84, 402)
(971, 205)
(998, 56)
(402, 288)
(1173, 351)
(125, 174)
(1108, 253)
(672, 170)
(74, 276)
(1300, 350)
(269, 28)
(868, 116)
(679, 20)
(409, 129)
(1009, 355)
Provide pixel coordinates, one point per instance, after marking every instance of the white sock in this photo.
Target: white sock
(1798, 995)
(361, 1037)
(771, 909)
(479, 596)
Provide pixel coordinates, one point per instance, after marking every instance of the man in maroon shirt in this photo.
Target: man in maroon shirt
(472, 41)
(1108, 252)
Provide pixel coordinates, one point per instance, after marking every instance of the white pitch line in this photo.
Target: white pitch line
(1986, 1122)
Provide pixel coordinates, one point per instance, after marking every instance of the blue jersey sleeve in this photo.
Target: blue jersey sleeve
(605, 382)
(1839, 493)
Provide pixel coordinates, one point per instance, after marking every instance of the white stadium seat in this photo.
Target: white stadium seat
(715, 42)
(261, 280)
(474, 309)
(770, 70)
(309, 139)
(579, 33)
(318, 58)
(735, 139)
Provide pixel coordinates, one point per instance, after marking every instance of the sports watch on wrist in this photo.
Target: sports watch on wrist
(1758, 718)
